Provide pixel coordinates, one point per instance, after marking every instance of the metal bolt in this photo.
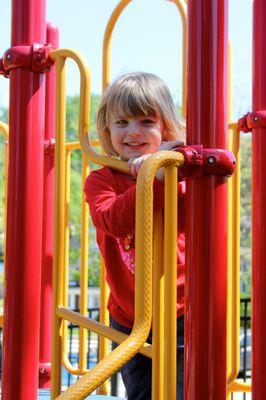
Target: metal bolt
(43, 370)
(211, 160)
(255, 118)
(9, 56)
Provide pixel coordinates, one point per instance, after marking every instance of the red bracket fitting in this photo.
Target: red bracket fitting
(49, 146)
(252, 120)
(200, 161)
(35, 57)
(44, 373)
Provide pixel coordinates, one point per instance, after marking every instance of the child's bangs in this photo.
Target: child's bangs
(133, 102)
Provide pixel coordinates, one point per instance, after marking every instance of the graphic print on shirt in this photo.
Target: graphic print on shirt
(127, 250)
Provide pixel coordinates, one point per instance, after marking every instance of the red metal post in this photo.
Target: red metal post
(258, 205)
(24, 211)
(48, 217)
(206, 234)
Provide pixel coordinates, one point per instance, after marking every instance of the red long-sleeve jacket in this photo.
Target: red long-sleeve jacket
(112, 197)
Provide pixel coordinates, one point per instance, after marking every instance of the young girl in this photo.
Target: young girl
(136, 118)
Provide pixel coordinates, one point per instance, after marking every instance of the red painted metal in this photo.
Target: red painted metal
(48, 216)
(24, 211)
(34, 57)
(259, 205)
(206, 230)
(252, 120)
(199, 161)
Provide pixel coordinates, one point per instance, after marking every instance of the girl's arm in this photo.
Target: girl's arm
(112, 212)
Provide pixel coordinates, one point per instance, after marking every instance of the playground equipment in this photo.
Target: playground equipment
(207, 375)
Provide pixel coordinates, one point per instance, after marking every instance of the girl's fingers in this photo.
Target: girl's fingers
(134, 164)
(170, 145)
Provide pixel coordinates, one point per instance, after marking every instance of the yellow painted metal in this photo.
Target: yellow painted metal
(107, 41)
(59, 225)
(65, 206)
(158, 309)
(104, 319)
(97, 327)
(230, 233)
(84, 268)
(76, 145)
(238, 386)
(1, 320)
(4, 130)
(234, 261)
(170, 235)
(182, 8)
(233, 384)
(144, 209)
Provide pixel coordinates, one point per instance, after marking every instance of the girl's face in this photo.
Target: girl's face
(133, 137)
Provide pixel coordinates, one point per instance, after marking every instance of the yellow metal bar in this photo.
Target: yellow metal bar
(234, 253)
(230, 260)
(76, 145)
(182, 8)
(104, 319)
(238, 386)
(4, 130)
(170, 235)
(64, 204)
(107, 41)
(1, 320)
(143, 282)
(100, 329)
(59, 225)
(84, 268)
(158, 309)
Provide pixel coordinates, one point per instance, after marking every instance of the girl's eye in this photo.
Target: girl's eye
(147, 121)
(121, 122)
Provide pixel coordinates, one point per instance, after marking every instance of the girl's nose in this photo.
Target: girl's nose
(134, 133)
(133, 129)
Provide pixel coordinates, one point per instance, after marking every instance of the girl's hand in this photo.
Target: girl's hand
(170, 145)
(134, 164)
(167, 146)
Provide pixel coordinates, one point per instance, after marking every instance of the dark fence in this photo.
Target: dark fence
(93, 347)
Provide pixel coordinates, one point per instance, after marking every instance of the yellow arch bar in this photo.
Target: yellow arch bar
(182, 8)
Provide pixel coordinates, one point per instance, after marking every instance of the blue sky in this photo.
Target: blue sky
(147, 37)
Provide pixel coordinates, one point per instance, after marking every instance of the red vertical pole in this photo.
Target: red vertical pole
(24, 211)
(206, 232)
(48, 217)
(258, 205)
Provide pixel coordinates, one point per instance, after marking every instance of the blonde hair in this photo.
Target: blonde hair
(135, 94)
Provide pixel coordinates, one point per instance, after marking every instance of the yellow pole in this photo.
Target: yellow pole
(59, 225)
(104, 319)
(84, 269)
(158, 310)
(170, 243)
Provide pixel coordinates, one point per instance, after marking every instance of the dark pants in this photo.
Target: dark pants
(137, 373)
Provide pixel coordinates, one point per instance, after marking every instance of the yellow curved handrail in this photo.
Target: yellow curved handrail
(143, 279)
(107, 41)
(182, 8)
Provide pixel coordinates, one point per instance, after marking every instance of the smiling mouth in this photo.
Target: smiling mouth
(135, 144)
